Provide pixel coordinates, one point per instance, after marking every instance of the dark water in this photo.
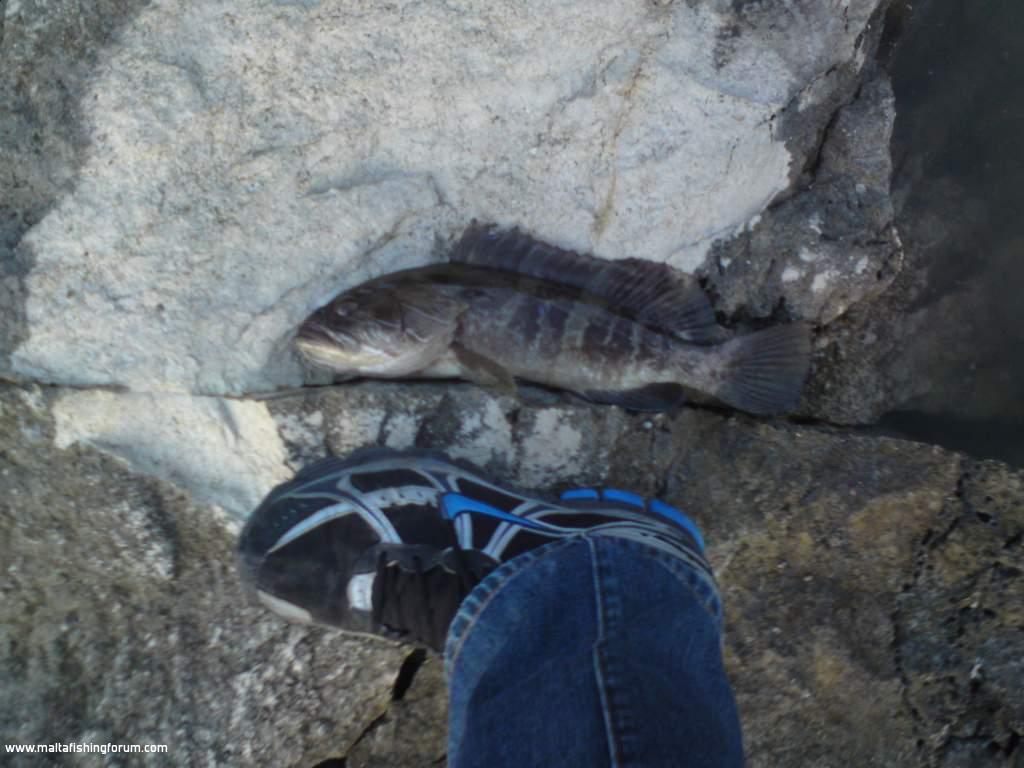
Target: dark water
(958, 149)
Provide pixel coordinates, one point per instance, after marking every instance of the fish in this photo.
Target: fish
(508, 307)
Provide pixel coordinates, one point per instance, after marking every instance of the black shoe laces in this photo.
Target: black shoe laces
(416, 596)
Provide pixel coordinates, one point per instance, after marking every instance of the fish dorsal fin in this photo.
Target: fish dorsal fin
(651, 293)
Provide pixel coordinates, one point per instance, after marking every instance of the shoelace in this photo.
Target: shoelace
(420, 602)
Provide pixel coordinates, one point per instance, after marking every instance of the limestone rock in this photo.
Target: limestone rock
(414, 730)
(244, 163)
(226, 452)
(871, 585)
(830, 245)
(967, 594)
(123, 621)
(943, 340)
(181, 183)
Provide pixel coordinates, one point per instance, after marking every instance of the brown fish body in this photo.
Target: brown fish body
(597, 328)
(565, 342)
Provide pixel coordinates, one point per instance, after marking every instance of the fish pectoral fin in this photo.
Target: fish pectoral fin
(653, 397)
(484, 371)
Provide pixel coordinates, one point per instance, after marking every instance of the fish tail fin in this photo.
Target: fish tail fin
(764, 372)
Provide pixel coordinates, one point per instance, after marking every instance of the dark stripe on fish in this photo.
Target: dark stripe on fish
(621, 342)
(552, 335)
(596, 335)
(651, 350)
(575, 328)
(525, 320)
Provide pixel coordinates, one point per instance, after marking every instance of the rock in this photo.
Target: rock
(871, 586)
(49, 50)
(183, 183)
(123, 621)
(812, 569)
(967, 594)
(942, 342)
(414, 730)
(819, 539)
(830, 245)
(227, 452)
(223, 196)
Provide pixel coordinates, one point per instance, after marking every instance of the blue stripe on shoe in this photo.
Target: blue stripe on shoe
(455, 504)
(580, 493)
(614, 494)
(680, 519)
(635, 500)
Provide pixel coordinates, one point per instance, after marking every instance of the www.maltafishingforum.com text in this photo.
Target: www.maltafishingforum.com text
(84, 748)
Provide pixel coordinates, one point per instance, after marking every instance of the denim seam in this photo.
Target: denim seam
(473, 606)
(682, 572)
(600, 680)
(479, 598)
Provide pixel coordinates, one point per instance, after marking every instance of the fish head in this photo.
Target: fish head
(377, 330)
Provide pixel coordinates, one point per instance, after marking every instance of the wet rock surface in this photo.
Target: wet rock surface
(967, 593)
(873, 586)
(941, 345)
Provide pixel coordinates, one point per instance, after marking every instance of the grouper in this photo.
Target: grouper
(506, 306)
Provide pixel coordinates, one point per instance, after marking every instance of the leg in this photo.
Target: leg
(591, 651)
(583, 631)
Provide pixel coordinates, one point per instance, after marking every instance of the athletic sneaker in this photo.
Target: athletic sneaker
(390, 542)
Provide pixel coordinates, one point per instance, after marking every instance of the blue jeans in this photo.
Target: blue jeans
(590, 651)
